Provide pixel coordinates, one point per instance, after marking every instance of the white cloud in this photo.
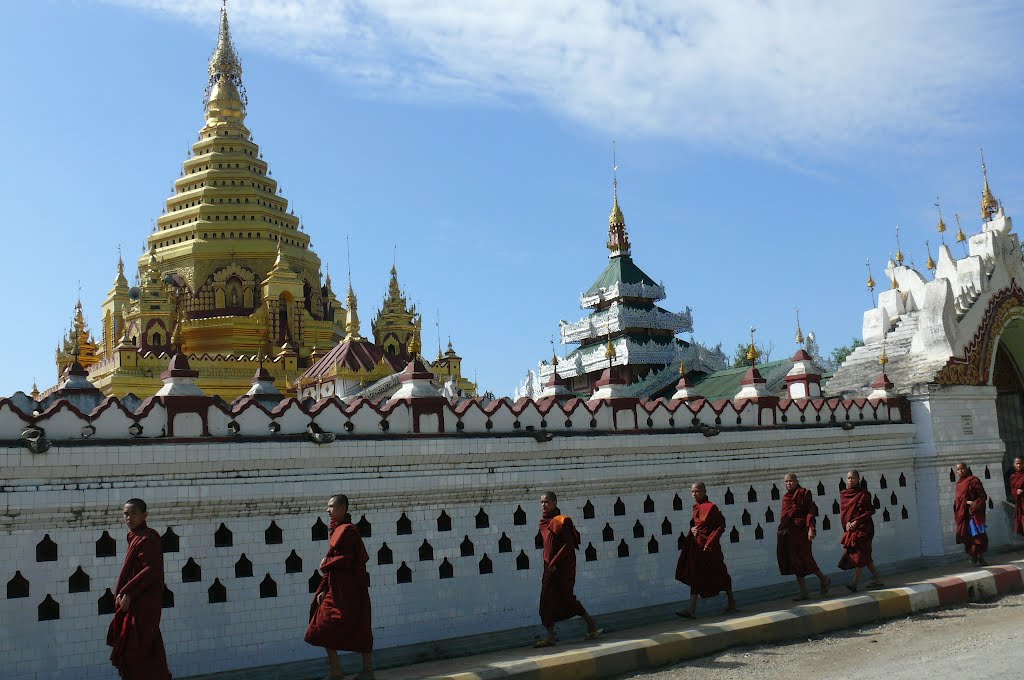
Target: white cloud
(768, 75)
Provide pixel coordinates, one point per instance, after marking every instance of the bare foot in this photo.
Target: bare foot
(686, 614)
(825, 584)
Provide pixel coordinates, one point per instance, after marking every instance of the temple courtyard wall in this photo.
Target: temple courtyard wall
(449, 514)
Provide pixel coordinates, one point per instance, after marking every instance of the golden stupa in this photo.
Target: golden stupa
(234, 261)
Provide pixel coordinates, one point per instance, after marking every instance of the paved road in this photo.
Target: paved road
(976, 641)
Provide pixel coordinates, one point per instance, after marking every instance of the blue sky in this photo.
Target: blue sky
(765, 150)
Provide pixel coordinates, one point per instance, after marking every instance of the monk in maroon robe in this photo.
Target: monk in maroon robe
(339, 617)
(797, 529)
(138, 648)
(701, 563)
(856, 509)
(557, 597)
(969, 514)
(1017, 494)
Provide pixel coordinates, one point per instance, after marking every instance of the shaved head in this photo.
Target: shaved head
(550, 495)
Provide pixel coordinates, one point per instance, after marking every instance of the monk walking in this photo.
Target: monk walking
(1017, 495)
(138, 648)
(855, 512)
(557, 600)
(969, 514)
(797, 529)
(339, 617)
(701, 563)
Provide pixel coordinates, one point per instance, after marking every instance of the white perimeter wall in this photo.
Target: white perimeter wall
(75, 493)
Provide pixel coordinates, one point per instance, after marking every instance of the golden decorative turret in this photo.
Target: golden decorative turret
(960, 235)
(883, 359)
(396, 322)
(899, 249)
(941, 228)
(989, 204)
(871, 279)
(931, 263)
(799, 339)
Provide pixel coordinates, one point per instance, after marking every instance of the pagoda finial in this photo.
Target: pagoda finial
(799, 339)
(752, 353)
(899, 249)
(989, 204)
(941, 228)
(961, 237)
(225, 89)
(931, 263)
(618, 239)
(682, 368)
(554, 355)
(883, 359)
(871, 281)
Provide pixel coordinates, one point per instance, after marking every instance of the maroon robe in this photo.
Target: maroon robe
(970, 488)
(794, 547)
(856, 506)
(342, 619)
(138, 648)
(557, 597)
(1017, 483)
(701, 563)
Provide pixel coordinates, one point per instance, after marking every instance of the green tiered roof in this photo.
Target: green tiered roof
(620, 269)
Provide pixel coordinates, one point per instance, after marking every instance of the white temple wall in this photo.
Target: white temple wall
(74, 493)
(957, 423)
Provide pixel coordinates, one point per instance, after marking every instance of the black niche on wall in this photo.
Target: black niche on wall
(268, 587)
(223, 538)
(46, 551)
(49, 609)
(169, 542)
(78, 582)
(273, 534)
(191, 572)
(106, 546)
(217, 592)
(17, 587)
(243, 567)
(318, 532)
(105, 603)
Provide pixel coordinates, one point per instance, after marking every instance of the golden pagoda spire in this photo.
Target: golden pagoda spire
(225, 93)
(682, 368)
(352, 322)
(883, 359)
(989, 204)
(931, 262)
(871, 279)
(941, 228)
(899, 249)
(609, 350)
(752, 354)
(799, 339)
(618, 238)
(414, 344)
